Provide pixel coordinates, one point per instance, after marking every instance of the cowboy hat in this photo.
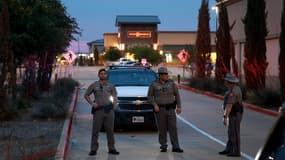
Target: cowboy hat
(231, 78)
(162, 70)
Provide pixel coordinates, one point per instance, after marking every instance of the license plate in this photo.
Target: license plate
(137, 119)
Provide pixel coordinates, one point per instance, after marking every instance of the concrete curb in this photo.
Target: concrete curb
(247, 105)
(62, 148)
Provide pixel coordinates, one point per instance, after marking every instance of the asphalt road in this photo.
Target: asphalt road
(201, 132)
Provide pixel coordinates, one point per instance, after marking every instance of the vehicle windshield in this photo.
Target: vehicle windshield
(131, 78)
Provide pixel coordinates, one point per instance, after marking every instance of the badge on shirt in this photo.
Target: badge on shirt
(231, 94)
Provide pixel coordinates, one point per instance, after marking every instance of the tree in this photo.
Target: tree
(112, 54)
(282, 56)
(4, 57)
(225, 46)
(255, 63)
(203, 41)
(96, 56)
(148, 53)
(40, 29)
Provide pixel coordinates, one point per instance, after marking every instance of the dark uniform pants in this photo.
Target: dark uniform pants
(107, 119)
(233, 144)
(166, 121)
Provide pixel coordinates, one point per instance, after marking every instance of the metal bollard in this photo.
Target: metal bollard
(178, 78)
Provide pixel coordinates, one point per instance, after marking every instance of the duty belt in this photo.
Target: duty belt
(167, 106)
(106, 108)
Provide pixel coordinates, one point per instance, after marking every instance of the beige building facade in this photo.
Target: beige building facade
(142, 30)
(236, 12)
(166, 40)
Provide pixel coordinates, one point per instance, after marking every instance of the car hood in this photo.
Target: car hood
(132, 91)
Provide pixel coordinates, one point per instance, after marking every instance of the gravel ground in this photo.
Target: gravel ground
(27, 138)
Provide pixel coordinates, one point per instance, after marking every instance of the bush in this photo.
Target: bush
(48, 110)
(64, 87)
(23, 103)
(207, 84)
(112, 54)
(55, 106)
(268, 98)
(8, 112)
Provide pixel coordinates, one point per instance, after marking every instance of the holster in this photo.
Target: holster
(236, 108)
(106, 108)
(168, 106)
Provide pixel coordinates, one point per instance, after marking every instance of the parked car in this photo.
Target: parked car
(133, 110)
(274, 146)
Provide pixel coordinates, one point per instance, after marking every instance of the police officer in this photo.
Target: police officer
(164, 96)
(232, 115)
(105, 101)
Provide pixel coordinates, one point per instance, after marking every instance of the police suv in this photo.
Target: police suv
(133, 110)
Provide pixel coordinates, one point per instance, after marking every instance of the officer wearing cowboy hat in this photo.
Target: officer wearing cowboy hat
(165, 98)
(232, 115)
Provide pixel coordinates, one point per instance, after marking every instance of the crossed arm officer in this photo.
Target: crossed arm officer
(164, 96)
(103, 106)
(232, 115)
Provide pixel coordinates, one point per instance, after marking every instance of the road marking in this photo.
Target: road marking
(210, 136)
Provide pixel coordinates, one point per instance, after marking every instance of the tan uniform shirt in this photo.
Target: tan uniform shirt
(103, 94)
(166, 93)
(234, 95)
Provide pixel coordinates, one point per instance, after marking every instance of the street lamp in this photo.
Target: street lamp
(122, 48)
(216, 9)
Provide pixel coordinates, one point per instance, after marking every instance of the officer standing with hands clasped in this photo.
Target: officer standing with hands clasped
(233, 110)
(103, 106)
(164, 96)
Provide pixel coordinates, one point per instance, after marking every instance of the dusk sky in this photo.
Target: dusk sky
(96, 17)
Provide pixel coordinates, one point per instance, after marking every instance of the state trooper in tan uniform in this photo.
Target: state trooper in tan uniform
(233, 110)
(164, 96)
(103, 106)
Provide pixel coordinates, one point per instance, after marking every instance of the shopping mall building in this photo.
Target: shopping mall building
(134, 30)
(142, 30)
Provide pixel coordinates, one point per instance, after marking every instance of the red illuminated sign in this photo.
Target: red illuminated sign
(141, 34)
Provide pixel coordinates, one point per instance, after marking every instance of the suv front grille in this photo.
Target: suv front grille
(135, 107)
(134, 103)
(132, 98)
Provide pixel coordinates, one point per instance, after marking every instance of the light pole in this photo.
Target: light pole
(122, 48)
(216, 9)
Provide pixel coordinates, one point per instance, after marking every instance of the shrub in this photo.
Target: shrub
(112, 54)
(64, 87)
(8, 112)
(55, 106)
(268, 98)
(48, 110)
(207, 84)
(23, 103)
